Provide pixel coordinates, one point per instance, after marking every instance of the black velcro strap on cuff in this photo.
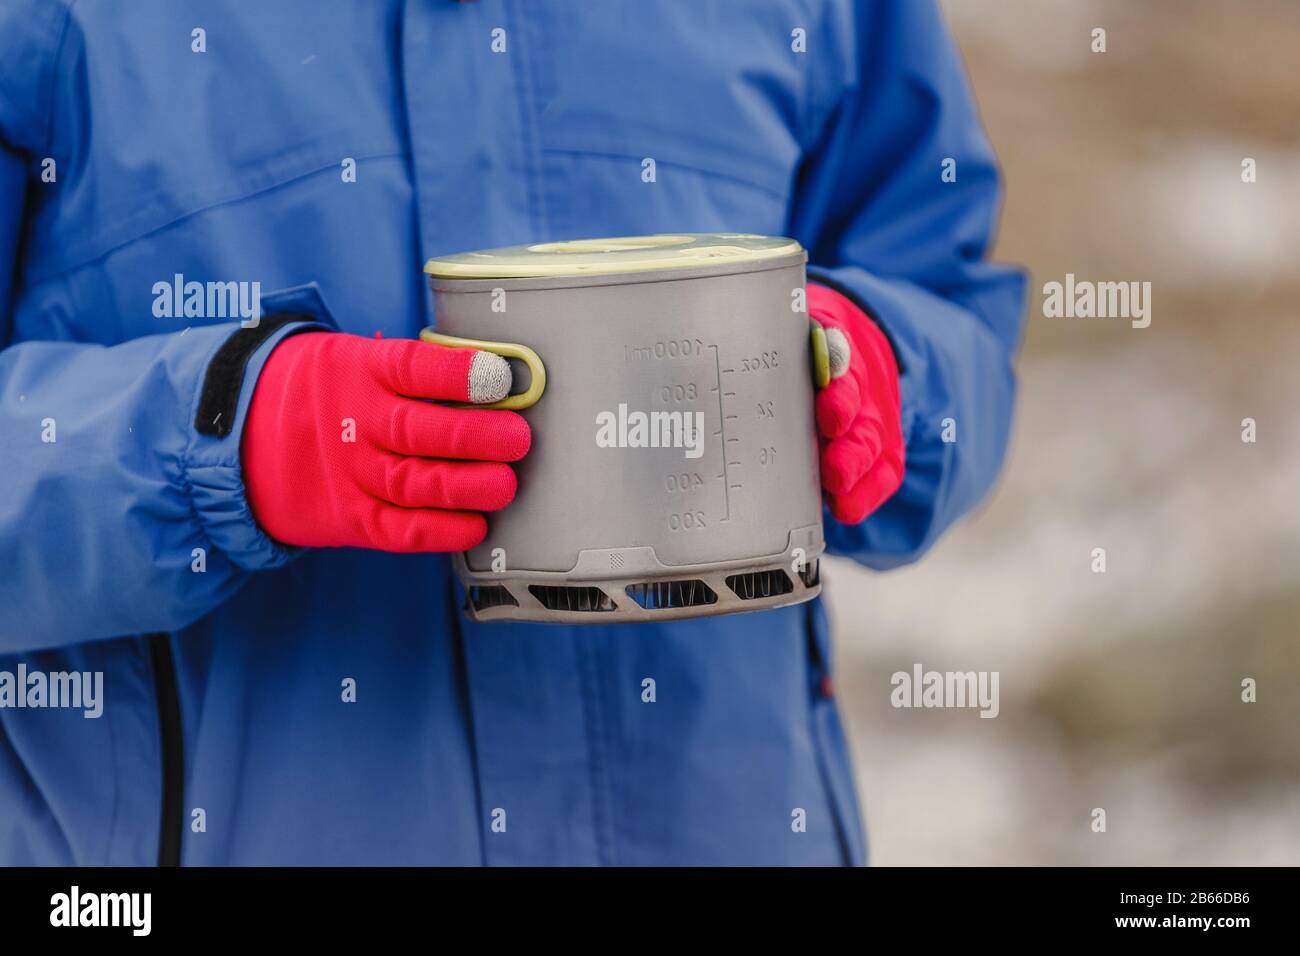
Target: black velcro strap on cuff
(225, 377)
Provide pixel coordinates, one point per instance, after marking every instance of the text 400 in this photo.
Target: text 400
(685, 481)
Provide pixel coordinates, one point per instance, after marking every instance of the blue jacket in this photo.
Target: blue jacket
(133, 149)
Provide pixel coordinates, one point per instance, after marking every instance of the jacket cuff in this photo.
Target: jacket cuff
(213, 469)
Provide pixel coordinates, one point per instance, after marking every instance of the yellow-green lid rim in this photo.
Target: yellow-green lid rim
(612, 256)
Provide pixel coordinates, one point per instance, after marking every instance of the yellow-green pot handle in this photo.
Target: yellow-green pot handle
(821, 355)
(524, 399)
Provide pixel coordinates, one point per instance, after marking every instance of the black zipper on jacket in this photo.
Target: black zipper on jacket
(172, 747)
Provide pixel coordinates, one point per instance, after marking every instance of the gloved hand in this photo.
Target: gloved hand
(408, 475)
(858, 417)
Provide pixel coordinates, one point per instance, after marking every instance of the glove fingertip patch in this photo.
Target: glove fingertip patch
(489, 378)
(839, 352)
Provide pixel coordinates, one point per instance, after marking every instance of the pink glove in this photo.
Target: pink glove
(406, 475)
(858, 410)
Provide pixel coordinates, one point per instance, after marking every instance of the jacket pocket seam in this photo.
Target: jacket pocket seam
(818, 659)
(700, 169)
(124, 232)
(117, 773)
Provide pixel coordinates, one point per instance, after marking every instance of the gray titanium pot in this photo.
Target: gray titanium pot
(669, 386)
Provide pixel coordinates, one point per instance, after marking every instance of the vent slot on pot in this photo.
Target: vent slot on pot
(760, 584)
(560, 598)
(483, 596)
(811, 575)
(660, 595)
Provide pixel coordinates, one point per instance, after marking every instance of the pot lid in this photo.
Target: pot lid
(614, 255)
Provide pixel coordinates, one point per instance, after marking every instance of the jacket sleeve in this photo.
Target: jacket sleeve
(884, 226)
(117, 515)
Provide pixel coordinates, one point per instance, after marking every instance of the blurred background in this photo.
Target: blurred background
(1119, 690)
